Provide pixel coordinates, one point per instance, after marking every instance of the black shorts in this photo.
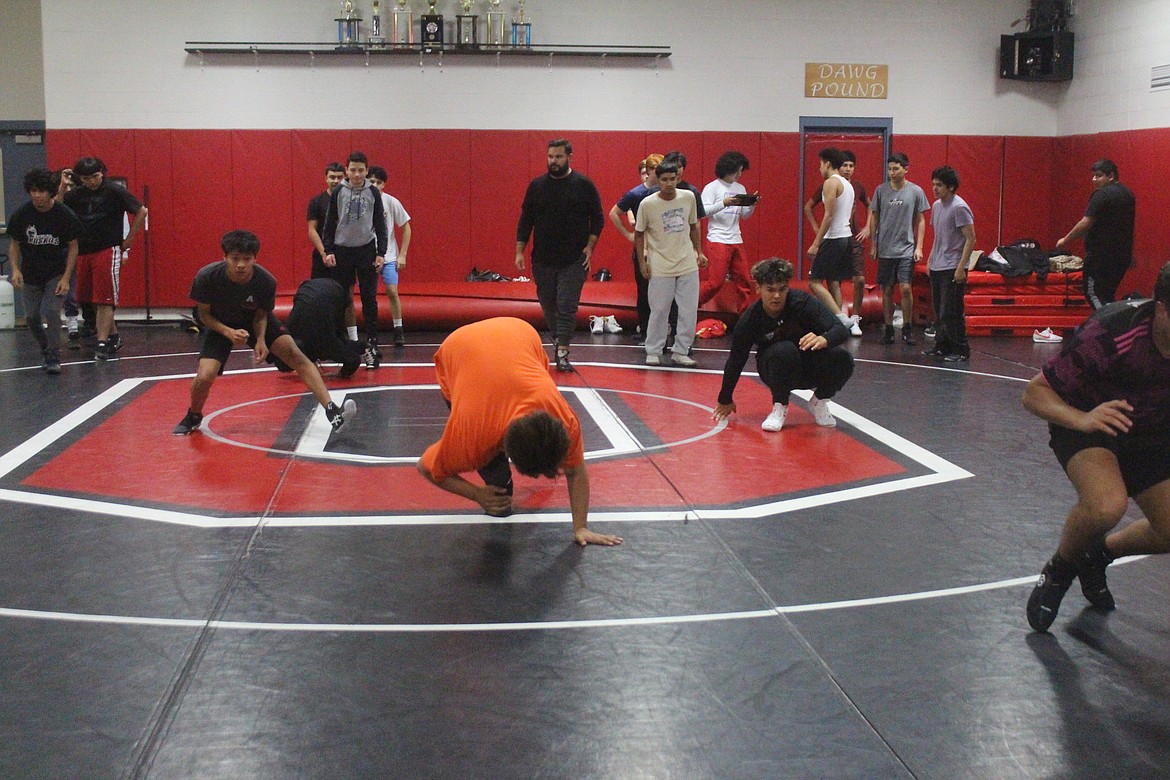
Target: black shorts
(858, 258)
(1144, 460)
(833, 260)
(218, 347)
(894, 269)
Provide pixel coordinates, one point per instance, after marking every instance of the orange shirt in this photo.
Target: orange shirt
(493, 372)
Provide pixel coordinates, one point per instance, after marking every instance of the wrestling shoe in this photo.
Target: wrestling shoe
(929, 332)
(115, 342)
(855, 325)
(399, 336)
(1055, 579)
(934, 352)
(596, 325)
(611, 325)
(775, 420)
(74, 340)
(1091, 573)
(653, 360)
(686, 361)
(563, 364)
(887, 335)
(52, 363)
(339, 418)
(908, 335)
(370, 358)
(188, 424)
(957, 357)
(1046, 336)
(820, 412)
(105, 352)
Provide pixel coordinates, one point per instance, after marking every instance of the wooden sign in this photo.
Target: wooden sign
(843, 80)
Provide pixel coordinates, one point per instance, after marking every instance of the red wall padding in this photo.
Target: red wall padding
(463, 189)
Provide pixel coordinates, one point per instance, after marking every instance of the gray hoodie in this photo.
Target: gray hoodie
(355, 218)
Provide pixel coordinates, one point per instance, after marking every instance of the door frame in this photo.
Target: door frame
(883, 126)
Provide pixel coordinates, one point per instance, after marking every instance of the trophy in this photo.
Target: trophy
(348, 26)
(467, 27)
(495, 24)
(522, 29)
(432, 28)
(402, 25)
(376, 37)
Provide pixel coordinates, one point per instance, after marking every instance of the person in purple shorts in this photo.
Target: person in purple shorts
(1106, 398)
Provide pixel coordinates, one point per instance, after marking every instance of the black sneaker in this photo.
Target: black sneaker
(887, 335)
(188, 424)
(908, 335)
(105, 352)
(372, 343)
(929, 332)
(958, 357)
(339, 418)
(1091, 573)
(563, 364)
(52, 364)
(370, 358)
(1055, 579)
(115, 342)
(74, 340)
(399, 337)
(934, 352)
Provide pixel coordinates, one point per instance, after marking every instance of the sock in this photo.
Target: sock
(351, 331)
(71, 323)
(844, 319)
(398, 323)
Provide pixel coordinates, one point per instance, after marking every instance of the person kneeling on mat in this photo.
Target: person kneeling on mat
(236, 298)
(504, 405)
(797, 340)
(317, 324)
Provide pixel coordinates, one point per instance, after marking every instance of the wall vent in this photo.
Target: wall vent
(1159, 77)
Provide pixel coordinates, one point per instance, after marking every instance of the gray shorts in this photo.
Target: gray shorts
(894, 269)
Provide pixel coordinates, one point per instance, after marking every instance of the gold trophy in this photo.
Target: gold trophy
(402, 25)
(495, 24)
(376, 37)
(467, 27)
(521, 29)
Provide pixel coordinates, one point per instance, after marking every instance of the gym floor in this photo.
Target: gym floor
(265, 599)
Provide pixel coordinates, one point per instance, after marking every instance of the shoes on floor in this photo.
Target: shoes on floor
(74, 340)
(105, 351)
(1091, 573)
(820, 412)
(855, 325)
(1044, 602)
(908, 335)
(775, 419)
(934, 352)
(371, 359)
(563, 364)
(52, 364)
(653, 360)
(611, 325)
(957, 357)
(1046, 336)
(340, 418)
(686, 361)
(887, 335)
(929, 332)
(596, 325)
(188, 424)
(399, 336)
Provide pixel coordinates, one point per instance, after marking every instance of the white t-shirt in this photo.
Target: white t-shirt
(667, 225)
(723, 221)
(395, 216)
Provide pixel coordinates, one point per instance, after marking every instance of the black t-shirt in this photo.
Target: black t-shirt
(318, 210)
(44, 238)
(101, 212)
(234, 304)
(317, 321)
(1109, 241)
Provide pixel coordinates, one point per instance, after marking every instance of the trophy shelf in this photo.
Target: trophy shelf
(314, 49)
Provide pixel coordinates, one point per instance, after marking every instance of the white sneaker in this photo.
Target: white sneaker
(596, 325)
(611, 325)
(775, 420)
(855, 325)
(653, 360)
(820, 412)
(686, 361)
(1046, 336)
(897, 318)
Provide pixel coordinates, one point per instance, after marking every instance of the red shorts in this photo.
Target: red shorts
(97, 276)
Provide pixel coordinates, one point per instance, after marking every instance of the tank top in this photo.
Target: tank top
(842, 210)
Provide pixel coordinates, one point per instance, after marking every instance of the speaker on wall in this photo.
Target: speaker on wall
(1036, 56)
